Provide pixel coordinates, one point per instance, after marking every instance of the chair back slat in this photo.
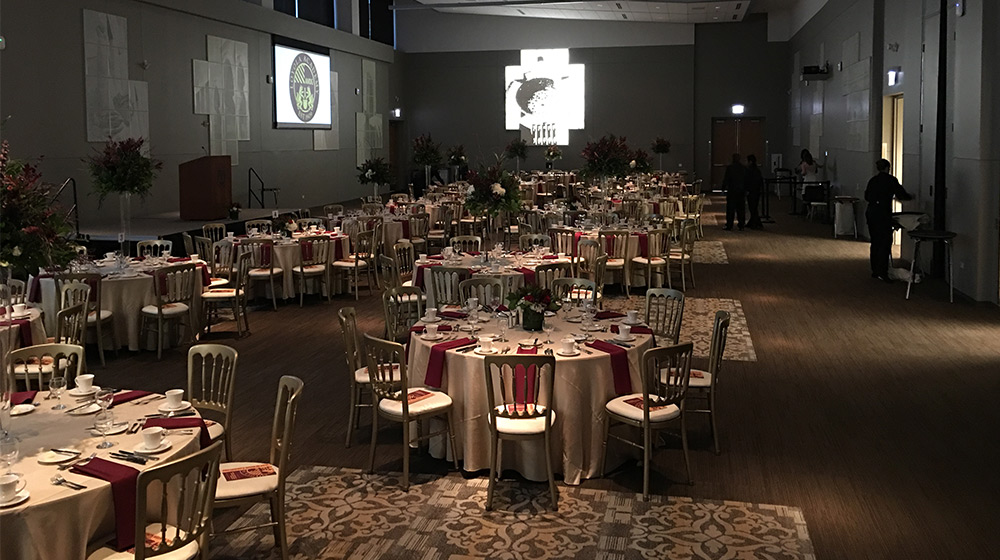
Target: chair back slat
(575, 291)
(289, 391)
(262, 226)
(384, 359)
(403, 307)
(466, 243)
(720, 332)
(488, 289)
(35, 365)
(211, 372)
(666, 372)
(214, 231)
(519, 386)
(445, 281)
(174, 284)
(664, 313)
(71, 324)
(154, 247)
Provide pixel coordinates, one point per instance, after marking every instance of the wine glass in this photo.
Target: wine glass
(105, 397)
(502, 326)
(8, 451)
(548, 328)
(473, 318)
(56, 386)
(103, 423)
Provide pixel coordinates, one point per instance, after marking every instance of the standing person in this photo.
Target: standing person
(734, 183)
(808, 169)
(879, 194)
(755, 185)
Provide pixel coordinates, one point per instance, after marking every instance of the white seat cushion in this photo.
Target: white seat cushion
(92, 316)
(704, 381)
(523, 426)
(220, 293)
(619, 407)
(263, 272)
(169, 309)
(229, 489)
(615, 263)
(437, 402)
(153, 530)
(349, 264)
(217, 282)
(310, 269)
(644, 260)
(361, 376)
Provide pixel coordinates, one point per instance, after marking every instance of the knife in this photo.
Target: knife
(622, 344)
(84, 405)
(139, 455)
(129, 458)
(177, 415)
(65, 451)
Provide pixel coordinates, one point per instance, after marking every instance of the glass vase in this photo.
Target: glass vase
(125, 208)
(532, 320)
(427, 178)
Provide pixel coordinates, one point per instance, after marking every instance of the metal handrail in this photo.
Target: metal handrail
(75, 209)
(252, 195)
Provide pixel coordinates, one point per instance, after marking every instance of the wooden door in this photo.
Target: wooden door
(735, 135)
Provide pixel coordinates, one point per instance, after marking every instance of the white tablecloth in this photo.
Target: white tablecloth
(10, 335)
(512, 278)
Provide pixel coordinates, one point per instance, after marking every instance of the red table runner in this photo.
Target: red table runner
(619, 365)
(123, 489)
(435, 365)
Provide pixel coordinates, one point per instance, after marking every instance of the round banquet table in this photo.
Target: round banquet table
(56, 522)
(287, 255)
(583, 385)
(512, 278)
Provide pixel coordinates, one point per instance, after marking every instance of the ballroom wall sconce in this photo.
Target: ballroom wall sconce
(895, 76)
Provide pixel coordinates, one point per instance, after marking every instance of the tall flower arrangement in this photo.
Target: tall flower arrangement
(640, 162)
(456, 155)
(660, 146)
(492, 190)
(607, 157)
(122, 167)
(553, 153)
(375, 172)
(33, 231)
(517, 150)
(426, 151)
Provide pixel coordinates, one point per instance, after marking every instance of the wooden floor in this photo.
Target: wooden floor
(875, 415)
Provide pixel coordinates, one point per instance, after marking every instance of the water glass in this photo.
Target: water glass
(56, 386)
(548, 328)
(502, 321)
(8, 450)
(105, 397)
(103, 423)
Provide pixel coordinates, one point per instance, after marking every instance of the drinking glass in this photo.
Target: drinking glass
(8, 450)
(56, 386)
(473, 318)
(502, 326)
(548, 328)
(103, 423)
(105, 397)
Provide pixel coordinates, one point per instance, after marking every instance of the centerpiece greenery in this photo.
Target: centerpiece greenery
(458, 161)
(533, 301)
(376, 172)
(492, 190)
(553, 153)
(660, 146)
(517, 149)
(34, 232)
(640, 162)
(426, 151)
(607, 157)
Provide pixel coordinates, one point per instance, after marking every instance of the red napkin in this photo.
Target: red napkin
(178, 259)
(548, 257)
(206, 277)
(643, 244)
(35, 289)
(436, 257)
(307, 250)
(473, 253)
(128, 396)
(531, 350)
(435, 365)
(619, 365)
(175, 423)
(635, 330)
(406, 228)
(453, 314)
(338, 250)
(656, 207)
(418, 275)
(22, 397)
(608, 315)
(529, 275)
(420, 328)
(609, 246)
(122, 479)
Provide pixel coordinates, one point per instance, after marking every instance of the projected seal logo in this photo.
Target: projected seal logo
(303, 86)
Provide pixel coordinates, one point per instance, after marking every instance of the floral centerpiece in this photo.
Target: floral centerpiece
(234, 210)
(517, 149)
(285, 224)
(426, 151)
(552, 153)
(492, 190)
(123, 168)
(640, 162)
(608, 157)
(34, 231)
(458, 161)
(374, 172)
(533, 301)
(660, 146)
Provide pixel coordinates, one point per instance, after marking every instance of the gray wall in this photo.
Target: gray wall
(42, 72)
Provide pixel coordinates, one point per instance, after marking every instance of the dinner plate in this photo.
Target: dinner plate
(563, 353)
(160, 449)
(430, 319)
(78, 392)
(119, 427)
(581, 337)
(16, 499)
(18, 410)
(54, 458)
(577, 319)
(470, 328)
(167, 408)
(437, 336)
(418, 261)
(619, 338)
(549, 313)
(93, 408)
(24, 315)
(479, 350)
(593, 328)
(528, 342)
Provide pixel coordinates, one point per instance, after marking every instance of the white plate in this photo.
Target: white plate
(430, 320)
(437, 336)
(528, 342)
(418, 261)
(629, 323)
(593, 328)
(581, 337)
(479, 350)
(78, 392)
(24, 315)
(167, 408)
(119, 428)
(573, 353)
(576, 319)
(163, 447)
(18, 498)
(20, 409)
(470, 328)
(619, 338)
(549, 313)
(93, 408)
(53, 458)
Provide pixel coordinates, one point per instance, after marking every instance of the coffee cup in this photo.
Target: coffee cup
(230, 234)
(472, 303)
(174, 398)
(423, 257)
(632, 316)
(431, 330)
(624, 331)
(494, 266)
(10, 486)
(109, 255)
(567, 345)
(486, 343)
(431, 313)
(85, 382)
(194, 256)
(19, 308)
(153, 437)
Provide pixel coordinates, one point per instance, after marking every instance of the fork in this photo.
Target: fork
(83, 461)
(58, 480)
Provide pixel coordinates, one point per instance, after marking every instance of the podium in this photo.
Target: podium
(206, 188)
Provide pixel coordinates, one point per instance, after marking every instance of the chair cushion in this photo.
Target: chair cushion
(679, 256)
(230, 489)
(615, 263)
(92, 316)
(349, 263)
(263, 272)
(522, 426)
(153, 530)
(644, 260)
(311, 269)
(220, 293)
(361, 376)
(434, 404)
(619, 407)
(704, 381)
(217, 282)
(169, 309)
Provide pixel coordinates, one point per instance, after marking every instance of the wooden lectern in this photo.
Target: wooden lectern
(206, 188)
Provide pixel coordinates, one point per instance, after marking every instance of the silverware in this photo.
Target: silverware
(83, 461)
(130, 458)
(622, 344)
(58, 480)
(84, 405)
(145, 456)
(147, 400)
(73, 452)
(585, 349)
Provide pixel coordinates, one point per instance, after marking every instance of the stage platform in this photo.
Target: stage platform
(167, 224)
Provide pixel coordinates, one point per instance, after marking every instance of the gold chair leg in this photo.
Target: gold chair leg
(647, 440)
(406, 455)
(371, 450)
(451, 436)
(494, 442)
(351, 413)
(548, 466)
(684, 445)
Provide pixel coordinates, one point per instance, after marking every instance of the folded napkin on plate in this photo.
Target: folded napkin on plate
(619, 365)
(128, 396)
(453, 314)
(435, 364)
(635, 330)
(531, 350)
(176, 423)
(178, 259)
(22, 397)
(529, 275)
(420, 328)
(608, 315)
(550, 257)
(122, 479)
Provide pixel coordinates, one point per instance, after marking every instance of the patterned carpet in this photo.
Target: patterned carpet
(710, 252)
(335, 512)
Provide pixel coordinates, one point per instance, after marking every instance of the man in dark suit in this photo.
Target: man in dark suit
(882, 188)
(734, 183)
(755, 185)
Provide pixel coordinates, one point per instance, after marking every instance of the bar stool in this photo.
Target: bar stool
(844, 207)
(932, 235)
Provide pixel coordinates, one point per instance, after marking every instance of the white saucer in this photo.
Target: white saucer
(53, 458)
(437, 336)
(429, 320)
(576, 319)
(119, 428)
(631, 324)
(93, 408)
(167, 408)
(593, 328)
(479, 350)
(18, 498)
(549, 313)
(581, 337)
(470, 328)
(19, 409)
(163, 447)
(573, 353)
(78, 392)
(24, 315)
(619, 338)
